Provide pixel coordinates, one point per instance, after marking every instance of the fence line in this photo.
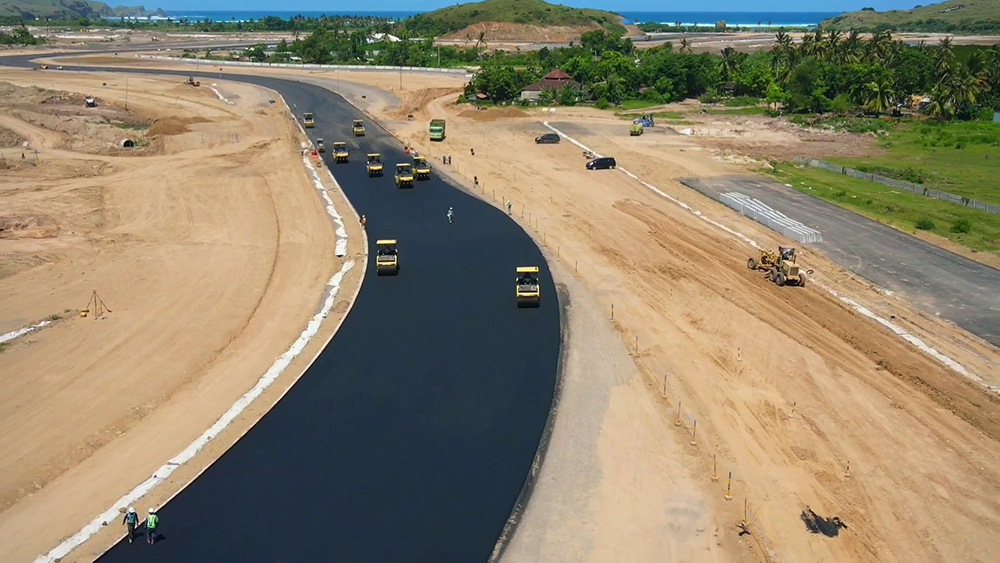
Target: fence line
(908, 186)
(208, 63)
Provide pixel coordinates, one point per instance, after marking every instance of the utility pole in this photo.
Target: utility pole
(400, 78)
(126, 93)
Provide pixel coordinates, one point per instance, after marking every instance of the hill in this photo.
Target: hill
(529, 18)
(70, 9)
(953, 16)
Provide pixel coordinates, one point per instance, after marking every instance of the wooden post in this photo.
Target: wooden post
(729, 487)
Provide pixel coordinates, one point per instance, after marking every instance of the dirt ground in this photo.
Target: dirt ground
(210, 252)
(817, 411)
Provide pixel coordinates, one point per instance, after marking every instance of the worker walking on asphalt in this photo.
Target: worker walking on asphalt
(131, 520)
(151, 521)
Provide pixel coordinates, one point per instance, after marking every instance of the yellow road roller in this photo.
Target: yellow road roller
(307, 120)
(340, 153)
(374, 164)
(387, 257)
(358, 128)
(421, 168)
(529, 292)
(404, 175)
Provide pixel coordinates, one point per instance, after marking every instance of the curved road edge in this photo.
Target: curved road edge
(313, 326)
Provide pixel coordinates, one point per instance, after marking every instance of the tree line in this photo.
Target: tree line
(19, 36)
(823, 72)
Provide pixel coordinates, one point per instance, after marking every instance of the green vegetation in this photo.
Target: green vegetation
(70, 9)
(19, 36)
(960, 158)
(953, 16)
(533, 12)
(974, 229)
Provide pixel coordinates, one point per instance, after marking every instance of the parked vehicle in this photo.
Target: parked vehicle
(547, 139)
(602, 163)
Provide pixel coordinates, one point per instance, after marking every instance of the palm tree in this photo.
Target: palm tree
(878, 97)
(834, 46)
(730, 62)
(685, 46)
(480, 41)
(944, 56)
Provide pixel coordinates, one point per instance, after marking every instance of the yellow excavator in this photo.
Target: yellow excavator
(340, 153)
(529, 293)
(374, 164)
(358, 128)
(386, 258)
(421, 168)
(404, 175)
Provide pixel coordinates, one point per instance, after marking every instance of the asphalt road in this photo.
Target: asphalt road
(935, 280)
(411, 436)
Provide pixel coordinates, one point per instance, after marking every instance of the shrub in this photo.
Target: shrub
(962, 225)
(602, 104)
(924, 224)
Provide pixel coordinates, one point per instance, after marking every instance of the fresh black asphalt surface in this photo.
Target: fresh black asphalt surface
(411, 436)
(937, 281)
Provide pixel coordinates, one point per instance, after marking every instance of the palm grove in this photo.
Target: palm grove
(823, 72)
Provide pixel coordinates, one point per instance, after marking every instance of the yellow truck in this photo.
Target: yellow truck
(358, 128)
(404, 175)
(528, 290)
(635, 129)
(307, 120)
(340, 153)
(374, 164)
(421, 168)
(386, 258)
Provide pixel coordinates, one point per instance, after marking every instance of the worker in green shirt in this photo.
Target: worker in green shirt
(151, 521)
(131, 520)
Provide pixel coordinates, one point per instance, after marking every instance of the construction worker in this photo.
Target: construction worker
(151, 521)
(363, 221)
(451, 215)
(131, 520)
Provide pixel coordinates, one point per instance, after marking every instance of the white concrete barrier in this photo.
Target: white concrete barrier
(455, 71)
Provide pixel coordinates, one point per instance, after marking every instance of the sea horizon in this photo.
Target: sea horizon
(687, 19)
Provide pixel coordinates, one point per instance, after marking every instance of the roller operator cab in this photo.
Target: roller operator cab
(404, 175)
(374, 164)
(340, 153)
(386, 258)
(320, 147)
(307, 120)
(529, 293)
(358, 128)
(421, 168)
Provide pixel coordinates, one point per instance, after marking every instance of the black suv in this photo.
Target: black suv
(602, 163)
(547, 139)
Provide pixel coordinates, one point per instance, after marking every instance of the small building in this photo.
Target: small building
(555, 80)
(996, 116)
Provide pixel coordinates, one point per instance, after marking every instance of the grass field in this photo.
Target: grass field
(951, 16)
(962, 158)
(533, 12)
(976, 230)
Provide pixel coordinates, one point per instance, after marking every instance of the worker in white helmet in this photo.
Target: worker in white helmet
(151, 522)
(131, 520)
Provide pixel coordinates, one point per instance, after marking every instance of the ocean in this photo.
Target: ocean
(706, 19)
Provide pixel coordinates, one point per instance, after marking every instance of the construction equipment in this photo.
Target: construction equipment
(45, 67)
(635, 129)
(340, 153)
(90, 102)
(191, 82)
(320, 147)
(786, 271)
(404, 175)
(528, 289)
(437, 129)
(421, 168)
(374, 164)
(307, 120)
(765, 261)
(386, 258)
(358, 128)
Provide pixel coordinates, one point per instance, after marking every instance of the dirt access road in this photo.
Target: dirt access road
(209, 244)
(788, 386)
(811, 405)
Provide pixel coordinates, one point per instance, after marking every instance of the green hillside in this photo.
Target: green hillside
(69, 9)
(953, 16)
(531, 12)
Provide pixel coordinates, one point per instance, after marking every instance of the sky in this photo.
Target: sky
(615, 5)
